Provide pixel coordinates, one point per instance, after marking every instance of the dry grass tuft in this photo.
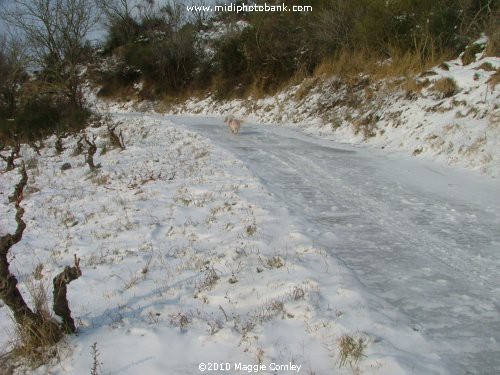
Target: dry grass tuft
(494, 79)
(305, 88)
(275, 262)
(366, 125)
(350, 350)
(470, 52)
(209, 279)
(487, 67)
(36, 343)
(344, 63)
(444, 66)
(397, 64)
(413, 88)
(493, 32)
(447, 87)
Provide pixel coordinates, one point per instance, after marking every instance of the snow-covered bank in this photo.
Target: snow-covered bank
(460, 127)
(182, 264)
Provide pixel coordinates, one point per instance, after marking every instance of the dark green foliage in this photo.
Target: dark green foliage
(12, 76)
(470, 52)
(121, 32)
(41, 116)
(230, 71)
(112, 81)
(37, 116)
(162, 56)
(275, 47)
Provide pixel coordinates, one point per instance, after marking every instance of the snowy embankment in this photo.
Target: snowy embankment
(183, 265)
(459, 127)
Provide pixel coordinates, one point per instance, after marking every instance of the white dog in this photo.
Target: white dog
(233, 123)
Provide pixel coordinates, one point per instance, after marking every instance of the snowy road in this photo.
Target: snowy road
(422, 237)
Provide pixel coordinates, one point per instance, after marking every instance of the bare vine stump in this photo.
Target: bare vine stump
(61, 306)
(14, 154)
(115, 139)
(59, 144)
(89, 158)
(9, 293)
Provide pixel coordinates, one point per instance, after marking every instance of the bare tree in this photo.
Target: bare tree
(200, 13)
(119, 16)
(174, 13)
(13, 64)
(55, 31)
(333, 26)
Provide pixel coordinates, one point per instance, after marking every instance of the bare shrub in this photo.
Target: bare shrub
(366, 125)
(270, 310)
(251, 229)
(209, 280)
(493, 31)
(214, 326)
(133, 280)
(180, 320)
(298, 293)
(37, 272)
(96, 364)
(38, 292)
(275, 262)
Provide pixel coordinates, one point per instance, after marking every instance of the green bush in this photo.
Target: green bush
(275, 47)
(121, 32)
(163, 58)
(230, 71)
(41, 116)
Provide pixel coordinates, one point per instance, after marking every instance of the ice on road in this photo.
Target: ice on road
(423, 237)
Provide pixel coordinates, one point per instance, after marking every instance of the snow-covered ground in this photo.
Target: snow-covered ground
(420, 237)
(187, 258)
(200, 247)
